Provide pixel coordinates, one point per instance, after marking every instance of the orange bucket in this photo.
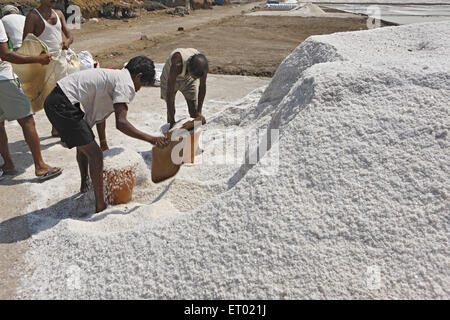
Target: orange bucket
(119, 185)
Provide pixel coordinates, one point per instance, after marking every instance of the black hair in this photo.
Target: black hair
(144, 65)
(198, 65)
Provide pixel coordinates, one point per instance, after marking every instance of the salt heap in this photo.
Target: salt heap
(125, 159)
(308, 9)
(359, 207)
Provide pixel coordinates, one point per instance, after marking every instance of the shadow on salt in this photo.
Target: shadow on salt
(121, 218)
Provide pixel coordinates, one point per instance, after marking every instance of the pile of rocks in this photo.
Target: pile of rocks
(178, 11)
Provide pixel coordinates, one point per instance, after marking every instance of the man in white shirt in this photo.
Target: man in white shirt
(14, 105)
(86, 98)
(14, 22)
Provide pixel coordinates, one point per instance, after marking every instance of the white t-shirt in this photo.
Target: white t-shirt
(14, 24)
(6, 71)
(97, 90)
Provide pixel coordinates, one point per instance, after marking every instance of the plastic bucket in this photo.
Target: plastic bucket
(119, 184)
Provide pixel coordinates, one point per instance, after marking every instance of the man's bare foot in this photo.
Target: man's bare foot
(100, 207)
(84, 185)
(8, 169)
(55, 132)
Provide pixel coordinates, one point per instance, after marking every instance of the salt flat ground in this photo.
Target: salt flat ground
(22, 193)
(400, 13)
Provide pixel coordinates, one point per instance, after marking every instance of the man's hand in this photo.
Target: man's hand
(159, 141)
(104, 145)
(201, 118)
(44, 58)
(66, 44)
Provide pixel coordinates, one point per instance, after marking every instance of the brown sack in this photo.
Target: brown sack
(163, 167)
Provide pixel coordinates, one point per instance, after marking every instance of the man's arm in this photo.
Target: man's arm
(29, 25)
(17, 58)
(201, 93)
(65, 29)
(124, 126)
(101, 130)
(175, 69)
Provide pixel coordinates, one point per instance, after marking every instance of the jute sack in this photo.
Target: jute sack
(163, 166)
(38, 80)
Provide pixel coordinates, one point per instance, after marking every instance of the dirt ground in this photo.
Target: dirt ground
(104, 34)
(234, 43)
(239, 45)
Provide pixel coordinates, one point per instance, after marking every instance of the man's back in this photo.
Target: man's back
(14, 24)
(6, 71)
(97, 90)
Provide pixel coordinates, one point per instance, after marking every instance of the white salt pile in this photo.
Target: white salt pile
(308, 9)
(119, 173)
(358, 208)
(115, 158)
(124, 159)
(303, 10)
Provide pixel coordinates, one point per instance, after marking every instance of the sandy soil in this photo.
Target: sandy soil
(96, 37)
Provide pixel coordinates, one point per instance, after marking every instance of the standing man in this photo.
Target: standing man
(14, 105)
(14, 22)
(185, 70)
(49, 25)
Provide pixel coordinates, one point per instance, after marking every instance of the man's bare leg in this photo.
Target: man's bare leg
(32, 139)
(192, 107)
(55, 132)
(83, 165)
(8, 166)
(101, 130)
(95, 163)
